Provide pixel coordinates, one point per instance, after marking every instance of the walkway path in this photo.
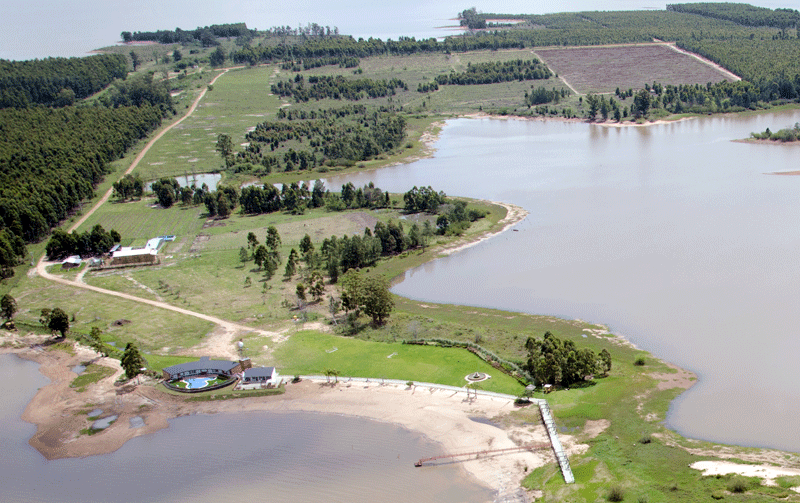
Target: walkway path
(231, 328)
(223, 345)
(141, 155)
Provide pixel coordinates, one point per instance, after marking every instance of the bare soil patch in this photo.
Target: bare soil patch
(603, 69)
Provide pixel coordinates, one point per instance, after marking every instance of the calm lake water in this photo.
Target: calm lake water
(293, 458)
(671, 234)
(43, 28)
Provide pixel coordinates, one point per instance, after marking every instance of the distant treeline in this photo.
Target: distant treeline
(57, 81)
(309, 63)
(497, 71)
(337, 88)
(207, 35)
(744, 14)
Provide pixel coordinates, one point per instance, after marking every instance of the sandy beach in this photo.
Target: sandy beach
(445, 417)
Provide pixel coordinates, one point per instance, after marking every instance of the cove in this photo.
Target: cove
(257, 456)
(671, 234)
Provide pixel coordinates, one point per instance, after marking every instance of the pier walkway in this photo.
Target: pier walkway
(544, 410)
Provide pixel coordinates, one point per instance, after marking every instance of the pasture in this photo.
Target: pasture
(603, 69)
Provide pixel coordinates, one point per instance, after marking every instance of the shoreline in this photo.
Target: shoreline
(443, 416)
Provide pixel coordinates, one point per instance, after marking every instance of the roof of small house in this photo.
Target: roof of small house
(259, 372)
(74, 259)
(201, 364)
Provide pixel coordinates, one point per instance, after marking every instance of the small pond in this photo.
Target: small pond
(198, 179)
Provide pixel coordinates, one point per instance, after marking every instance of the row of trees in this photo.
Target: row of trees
(57, 81)
(206, 35)
(336, 88)
(310, 63)
(87, 244)
(497, 71)
(555, 361)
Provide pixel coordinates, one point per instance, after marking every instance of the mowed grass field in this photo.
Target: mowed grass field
(603, 69)
(312, 352)
(239, 100)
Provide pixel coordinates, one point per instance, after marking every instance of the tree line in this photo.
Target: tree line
(92, 243)
(497, 71)
(744, 14)
(337, 88)
(57, 81)
(310, 63)
(206, 35)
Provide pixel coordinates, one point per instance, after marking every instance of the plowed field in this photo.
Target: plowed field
(603, 69)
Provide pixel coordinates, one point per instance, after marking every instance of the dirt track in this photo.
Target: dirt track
(219, 344)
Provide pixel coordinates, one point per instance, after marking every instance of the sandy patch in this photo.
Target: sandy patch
(594, 428)
(443, 416)
(681, 378)
(765, 472)
(514, 215)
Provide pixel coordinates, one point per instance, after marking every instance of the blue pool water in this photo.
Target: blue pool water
(197, 382)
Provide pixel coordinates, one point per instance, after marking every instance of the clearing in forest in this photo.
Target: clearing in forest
(603, 69)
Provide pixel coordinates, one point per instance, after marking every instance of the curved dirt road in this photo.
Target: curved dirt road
(219, 345)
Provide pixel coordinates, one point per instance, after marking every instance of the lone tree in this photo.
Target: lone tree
(58, 321)
(8, 306)
(132, 361)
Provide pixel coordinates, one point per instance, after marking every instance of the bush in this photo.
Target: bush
(640, 361)
(717, 495)
(737, 484)
(616, 493)
(646, 439)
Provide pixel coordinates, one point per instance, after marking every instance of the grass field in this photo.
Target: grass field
(603, 69)
(150, 328)
(312, 353)
(239, 100)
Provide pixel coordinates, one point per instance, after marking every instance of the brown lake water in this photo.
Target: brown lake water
(291, 457)
(671, 234)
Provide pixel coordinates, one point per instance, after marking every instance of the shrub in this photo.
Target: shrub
(737, 484)
(646, 439)
(717, 495)
(643, 499)
(616, 493)
(640, 361)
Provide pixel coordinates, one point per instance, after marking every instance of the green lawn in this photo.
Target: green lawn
(308, 353)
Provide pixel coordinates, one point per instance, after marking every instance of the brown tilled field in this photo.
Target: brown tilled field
(603, 69)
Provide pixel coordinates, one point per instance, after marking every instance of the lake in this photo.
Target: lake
(46, 28)
(672, 234)
(292, 457)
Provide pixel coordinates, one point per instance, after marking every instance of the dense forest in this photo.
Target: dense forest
(744, 14)
(51, 158)
(57, 81)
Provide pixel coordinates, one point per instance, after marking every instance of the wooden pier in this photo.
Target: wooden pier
(478, 454)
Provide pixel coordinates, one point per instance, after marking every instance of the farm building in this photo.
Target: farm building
(125, 255)
(205, 366)
(70, 262)
(261, 375)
